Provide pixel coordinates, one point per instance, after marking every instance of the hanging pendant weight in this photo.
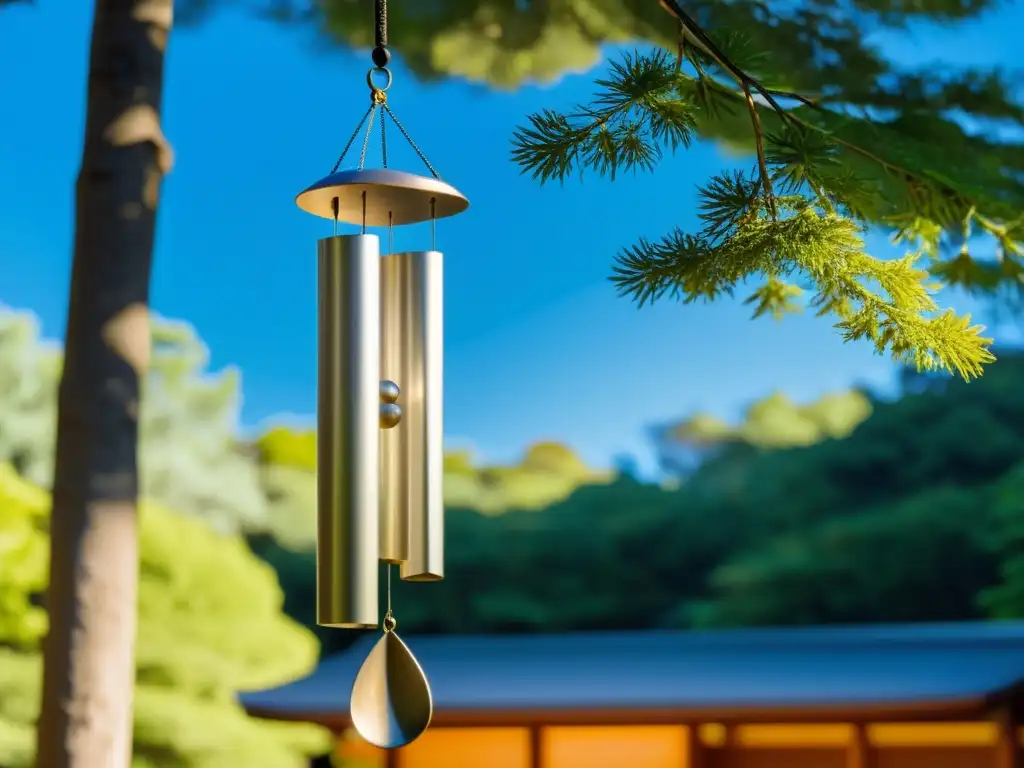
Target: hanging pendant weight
(392, 197)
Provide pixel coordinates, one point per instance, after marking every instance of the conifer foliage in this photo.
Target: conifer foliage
(793, 223)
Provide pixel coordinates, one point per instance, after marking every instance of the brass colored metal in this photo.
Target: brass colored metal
(391, 703)
(389, 392)
(393, 198)
(374, 88)
(393, 521)
(390, 415)
(390, 411)
(393, 531)
(348, 445)
(412, 338)
(394, 492)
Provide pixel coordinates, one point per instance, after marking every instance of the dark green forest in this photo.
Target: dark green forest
(917, 514)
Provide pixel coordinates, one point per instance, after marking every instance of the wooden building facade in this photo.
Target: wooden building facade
(926, 696)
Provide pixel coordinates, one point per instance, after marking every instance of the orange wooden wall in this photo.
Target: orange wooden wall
(468, 748)
(914, 745)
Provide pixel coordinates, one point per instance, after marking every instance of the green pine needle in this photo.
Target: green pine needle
(887, 302)
(797, 216)
(635, 117)
(775, 298)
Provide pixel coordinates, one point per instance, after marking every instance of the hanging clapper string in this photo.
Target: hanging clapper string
(389, 623)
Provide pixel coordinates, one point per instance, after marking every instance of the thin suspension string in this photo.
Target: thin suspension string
(352, 138)
(366, 137)
(367, 121)
(412, 143)
(389, 589)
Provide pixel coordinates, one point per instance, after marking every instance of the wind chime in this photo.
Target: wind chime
(379, 412)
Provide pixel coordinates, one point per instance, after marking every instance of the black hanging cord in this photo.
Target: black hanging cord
(381, 55)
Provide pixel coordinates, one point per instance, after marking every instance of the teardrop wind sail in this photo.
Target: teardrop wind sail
(380, 407)
(391, 699)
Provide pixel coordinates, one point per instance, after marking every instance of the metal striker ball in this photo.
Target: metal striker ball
(389, 391)
(390, 415)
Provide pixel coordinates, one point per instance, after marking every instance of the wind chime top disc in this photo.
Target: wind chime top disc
(392, 198)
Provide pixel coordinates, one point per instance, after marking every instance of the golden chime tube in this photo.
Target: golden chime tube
(348, 414)
(412, 328)
(395, 481)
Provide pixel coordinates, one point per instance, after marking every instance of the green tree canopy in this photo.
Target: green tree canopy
(509, 43)
(210, 625)
(1005, 600)
(771, 422)
(894, 522)
(920, 559)
(190, 423)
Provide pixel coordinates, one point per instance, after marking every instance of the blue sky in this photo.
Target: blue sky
(538, 345)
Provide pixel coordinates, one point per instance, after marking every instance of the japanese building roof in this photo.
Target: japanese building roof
(913, 668)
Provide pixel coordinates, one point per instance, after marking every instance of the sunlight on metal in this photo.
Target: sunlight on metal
(392, 197)
(348, 480)
(391, 700)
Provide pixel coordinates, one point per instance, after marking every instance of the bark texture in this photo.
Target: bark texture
(88, 680)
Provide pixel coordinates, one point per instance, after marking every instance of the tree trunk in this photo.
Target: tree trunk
(86, 719)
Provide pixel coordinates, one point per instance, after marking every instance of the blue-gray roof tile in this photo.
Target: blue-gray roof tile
(755, 669)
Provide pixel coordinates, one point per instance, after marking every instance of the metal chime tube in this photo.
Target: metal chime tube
(348, 476)
(395, 486)
(412, 327)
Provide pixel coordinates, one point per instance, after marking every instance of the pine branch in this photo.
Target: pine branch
(637, 114)
(699, 37)
(795, 215)
(724, 202)
(826, 250)
(775, 298)
(762, 162)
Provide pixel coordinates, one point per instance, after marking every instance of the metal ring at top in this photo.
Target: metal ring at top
(369, 79)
